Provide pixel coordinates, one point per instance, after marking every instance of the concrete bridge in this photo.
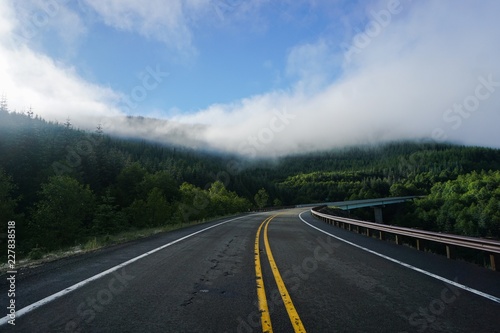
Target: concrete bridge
(376, 204)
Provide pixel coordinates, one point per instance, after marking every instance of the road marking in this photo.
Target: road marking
(453, 283)
(265, 317)
(285, 296)
(78, 285)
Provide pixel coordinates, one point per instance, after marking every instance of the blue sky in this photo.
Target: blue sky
(230, 56)
(258, 77)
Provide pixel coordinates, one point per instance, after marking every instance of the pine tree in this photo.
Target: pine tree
(3, 103)
(30, 113)
(68, 124)
(99, 130)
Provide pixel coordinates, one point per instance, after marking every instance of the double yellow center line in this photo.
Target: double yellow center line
(261, 293)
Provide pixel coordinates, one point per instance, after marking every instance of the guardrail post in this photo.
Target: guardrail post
(449, 253)
(380, 235)
(495, 261)
(349, 226)
(398, 240)
(418, 244)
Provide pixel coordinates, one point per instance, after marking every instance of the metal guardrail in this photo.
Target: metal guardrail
(490, 246)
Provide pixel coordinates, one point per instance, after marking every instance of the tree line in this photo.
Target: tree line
(63, 185)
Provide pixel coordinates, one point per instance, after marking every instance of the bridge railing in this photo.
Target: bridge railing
(491, 247)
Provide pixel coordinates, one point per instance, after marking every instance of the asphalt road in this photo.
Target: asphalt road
(206, 282)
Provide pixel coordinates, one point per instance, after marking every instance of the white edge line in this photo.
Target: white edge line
(458, 285)
(74, 287)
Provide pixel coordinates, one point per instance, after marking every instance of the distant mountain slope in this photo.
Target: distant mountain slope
(130, 183)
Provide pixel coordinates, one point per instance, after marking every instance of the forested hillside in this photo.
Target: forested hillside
(395, 169)
(64, 186)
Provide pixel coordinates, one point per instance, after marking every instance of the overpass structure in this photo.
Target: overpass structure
(376, 204)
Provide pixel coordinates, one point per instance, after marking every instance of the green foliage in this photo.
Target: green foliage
(127, 183)
(223, 202)
(108, 219)
(469, 205)
(8, 205)
(261, 198)
(64, 210)
(194, 203)
(35, 254)
(216, 201)
(163, 181)
(404, 189)
(154, 211)
(91, 244)
(64, 186)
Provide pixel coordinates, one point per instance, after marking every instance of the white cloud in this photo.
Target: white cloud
(36, 18)
(54, 90)
(401, 85)
(166, 21)
(312, 65)
(173, 22)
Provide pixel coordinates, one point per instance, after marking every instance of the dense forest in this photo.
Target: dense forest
(64, 186)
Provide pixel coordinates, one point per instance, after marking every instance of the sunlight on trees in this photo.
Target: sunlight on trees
(261, 198)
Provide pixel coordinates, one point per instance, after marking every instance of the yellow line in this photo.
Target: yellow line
(265, 318)
(287, 300)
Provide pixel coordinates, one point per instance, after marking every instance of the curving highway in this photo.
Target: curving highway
(281, 271)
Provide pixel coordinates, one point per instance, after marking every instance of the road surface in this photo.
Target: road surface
(305, 276)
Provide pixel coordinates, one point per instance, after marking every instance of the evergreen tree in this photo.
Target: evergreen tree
(8, 204)
(63, 214)
(261, 198)
(108, 218)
